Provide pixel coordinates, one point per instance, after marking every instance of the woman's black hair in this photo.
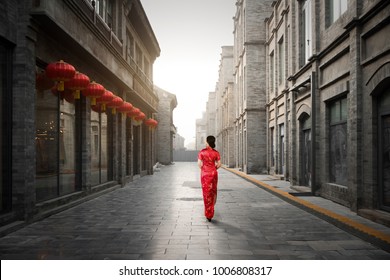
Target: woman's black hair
(211, 141)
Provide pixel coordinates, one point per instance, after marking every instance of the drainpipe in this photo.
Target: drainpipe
(313, 132)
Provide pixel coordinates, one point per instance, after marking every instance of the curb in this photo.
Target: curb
(376, 237)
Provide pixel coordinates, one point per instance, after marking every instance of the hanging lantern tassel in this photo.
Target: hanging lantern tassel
(154, 124)
(133, 114)
(77, 83)
(139, 118)
(148, 122)
(151, 123)
(60, 72)
(93, 91)
(125, 108)
(115, 103)
(137, 122)
(104, 99)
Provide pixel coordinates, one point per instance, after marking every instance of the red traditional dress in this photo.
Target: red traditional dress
(209, 179)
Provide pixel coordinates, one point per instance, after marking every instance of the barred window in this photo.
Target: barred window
(305, 32)
(5, 125)
(335, 9)
(338, 142)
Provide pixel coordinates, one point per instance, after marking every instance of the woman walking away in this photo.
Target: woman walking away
(209, 161)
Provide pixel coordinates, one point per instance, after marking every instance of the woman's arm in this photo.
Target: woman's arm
(200, 163)
(218, 164)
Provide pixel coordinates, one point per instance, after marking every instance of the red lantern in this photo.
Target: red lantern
(140, 117)
(104, 99)
(133, 113)
(77, 83)
(60, 71)
(148, 122)
(115, 103)
(151, 123)
(93, 91)
(125, 108)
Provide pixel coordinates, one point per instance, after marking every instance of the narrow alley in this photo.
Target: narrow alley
(161, 217)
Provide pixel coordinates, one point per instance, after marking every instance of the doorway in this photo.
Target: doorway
(384, 150)
(305, 151)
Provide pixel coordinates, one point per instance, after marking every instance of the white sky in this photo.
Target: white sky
(190, 34)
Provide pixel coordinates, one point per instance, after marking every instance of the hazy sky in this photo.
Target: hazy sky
(190, 34)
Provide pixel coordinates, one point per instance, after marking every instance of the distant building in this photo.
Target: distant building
(165, 130)
(250, 84)
(190, 146)
(178, 142)
(211, 114)
(201, 132)
(225, 108)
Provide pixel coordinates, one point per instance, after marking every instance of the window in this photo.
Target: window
(281, 149)
(243, 87)
(110, 14)
(272, 142)
(138, 57)
(384, 149)
(272, 71)
(145, 145)
(338, 141)
(147, 68)
(305, 151)
(306, 32)
(336, 8)
(129, 47)
(129, 141)
(2, 117)
(105, 9)
(100, 152)
(55, 142)
(5, 126)
(281, 61)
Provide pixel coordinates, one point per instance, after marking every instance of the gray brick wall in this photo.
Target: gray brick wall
(167, 103)
(35, 40)
(342, 67)
(249, 58)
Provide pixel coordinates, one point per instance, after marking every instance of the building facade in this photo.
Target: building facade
(166, 130)
(328, 99)
(211, 114)
(249, 84)
(225, 108)
(178, 143)
(311, 97)
(201, 132)
(56, 148)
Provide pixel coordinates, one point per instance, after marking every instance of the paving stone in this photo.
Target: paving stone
(161, 217)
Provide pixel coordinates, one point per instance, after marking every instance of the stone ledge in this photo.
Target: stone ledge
(4, 230)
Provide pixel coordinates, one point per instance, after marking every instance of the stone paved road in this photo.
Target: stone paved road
(161, 217)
